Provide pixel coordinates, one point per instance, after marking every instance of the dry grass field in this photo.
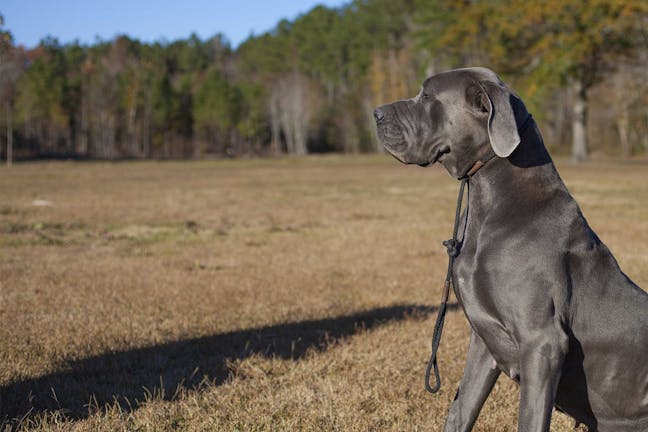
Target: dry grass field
(252, 295)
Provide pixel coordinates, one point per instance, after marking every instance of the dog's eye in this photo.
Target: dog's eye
(424, 96)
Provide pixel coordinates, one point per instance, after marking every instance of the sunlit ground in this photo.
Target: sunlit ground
(287, 294)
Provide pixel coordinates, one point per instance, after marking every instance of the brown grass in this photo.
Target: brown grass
(290, 294)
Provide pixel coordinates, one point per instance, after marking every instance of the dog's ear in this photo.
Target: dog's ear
(502, 128)
(477, 98)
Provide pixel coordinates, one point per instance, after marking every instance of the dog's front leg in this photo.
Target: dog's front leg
(541, 364)
(478, 380)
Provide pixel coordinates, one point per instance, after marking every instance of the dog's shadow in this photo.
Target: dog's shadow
(128, 377)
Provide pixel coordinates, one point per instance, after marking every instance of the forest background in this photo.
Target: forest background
(310, 85)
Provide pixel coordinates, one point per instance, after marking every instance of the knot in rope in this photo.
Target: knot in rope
(451, 247)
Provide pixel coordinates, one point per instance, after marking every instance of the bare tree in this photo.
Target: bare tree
(295, 105)
(630, 88)
(580, 147)
(9, 74)
(275, 122)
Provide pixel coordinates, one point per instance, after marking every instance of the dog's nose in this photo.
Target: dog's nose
(379, 115)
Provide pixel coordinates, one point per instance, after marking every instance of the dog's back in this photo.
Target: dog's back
(607, 364)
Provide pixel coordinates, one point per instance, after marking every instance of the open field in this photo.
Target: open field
(254, 295)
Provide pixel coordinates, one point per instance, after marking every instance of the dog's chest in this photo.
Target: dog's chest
(485, 320)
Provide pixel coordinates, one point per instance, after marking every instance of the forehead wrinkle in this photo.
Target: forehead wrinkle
(430, 86)
(444, 82)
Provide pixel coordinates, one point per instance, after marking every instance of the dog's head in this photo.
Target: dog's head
(454, 119)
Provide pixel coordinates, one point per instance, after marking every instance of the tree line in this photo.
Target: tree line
(311, 84)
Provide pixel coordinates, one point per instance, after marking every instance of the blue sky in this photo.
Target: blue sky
(148, 20)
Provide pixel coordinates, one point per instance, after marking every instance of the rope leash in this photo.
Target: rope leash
(452, 246)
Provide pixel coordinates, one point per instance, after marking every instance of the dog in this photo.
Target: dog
(546, 301)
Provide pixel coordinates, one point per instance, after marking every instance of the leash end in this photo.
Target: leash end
(432, 364)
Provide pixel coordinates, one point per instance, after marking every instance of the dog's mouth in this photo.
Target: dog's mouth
(438, 156)
(396, 145)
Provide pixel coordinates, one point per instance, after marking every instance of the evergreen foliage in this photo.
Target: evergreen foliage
(311, 84)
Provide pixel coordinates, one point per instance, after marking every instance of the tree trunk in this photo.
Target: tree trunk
(9, 135)
(166, 145)
(351, 142)
(580, 150)
(275, 124)
(623, 126)
(146, 131)
(131, 134)
(298, 109)
(83, 141)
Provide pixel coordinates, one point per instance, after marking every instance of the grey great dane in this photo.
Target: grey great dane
(546, 301)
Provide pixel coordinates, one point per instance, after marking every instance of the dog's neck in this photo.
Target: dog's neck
(527, 175)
